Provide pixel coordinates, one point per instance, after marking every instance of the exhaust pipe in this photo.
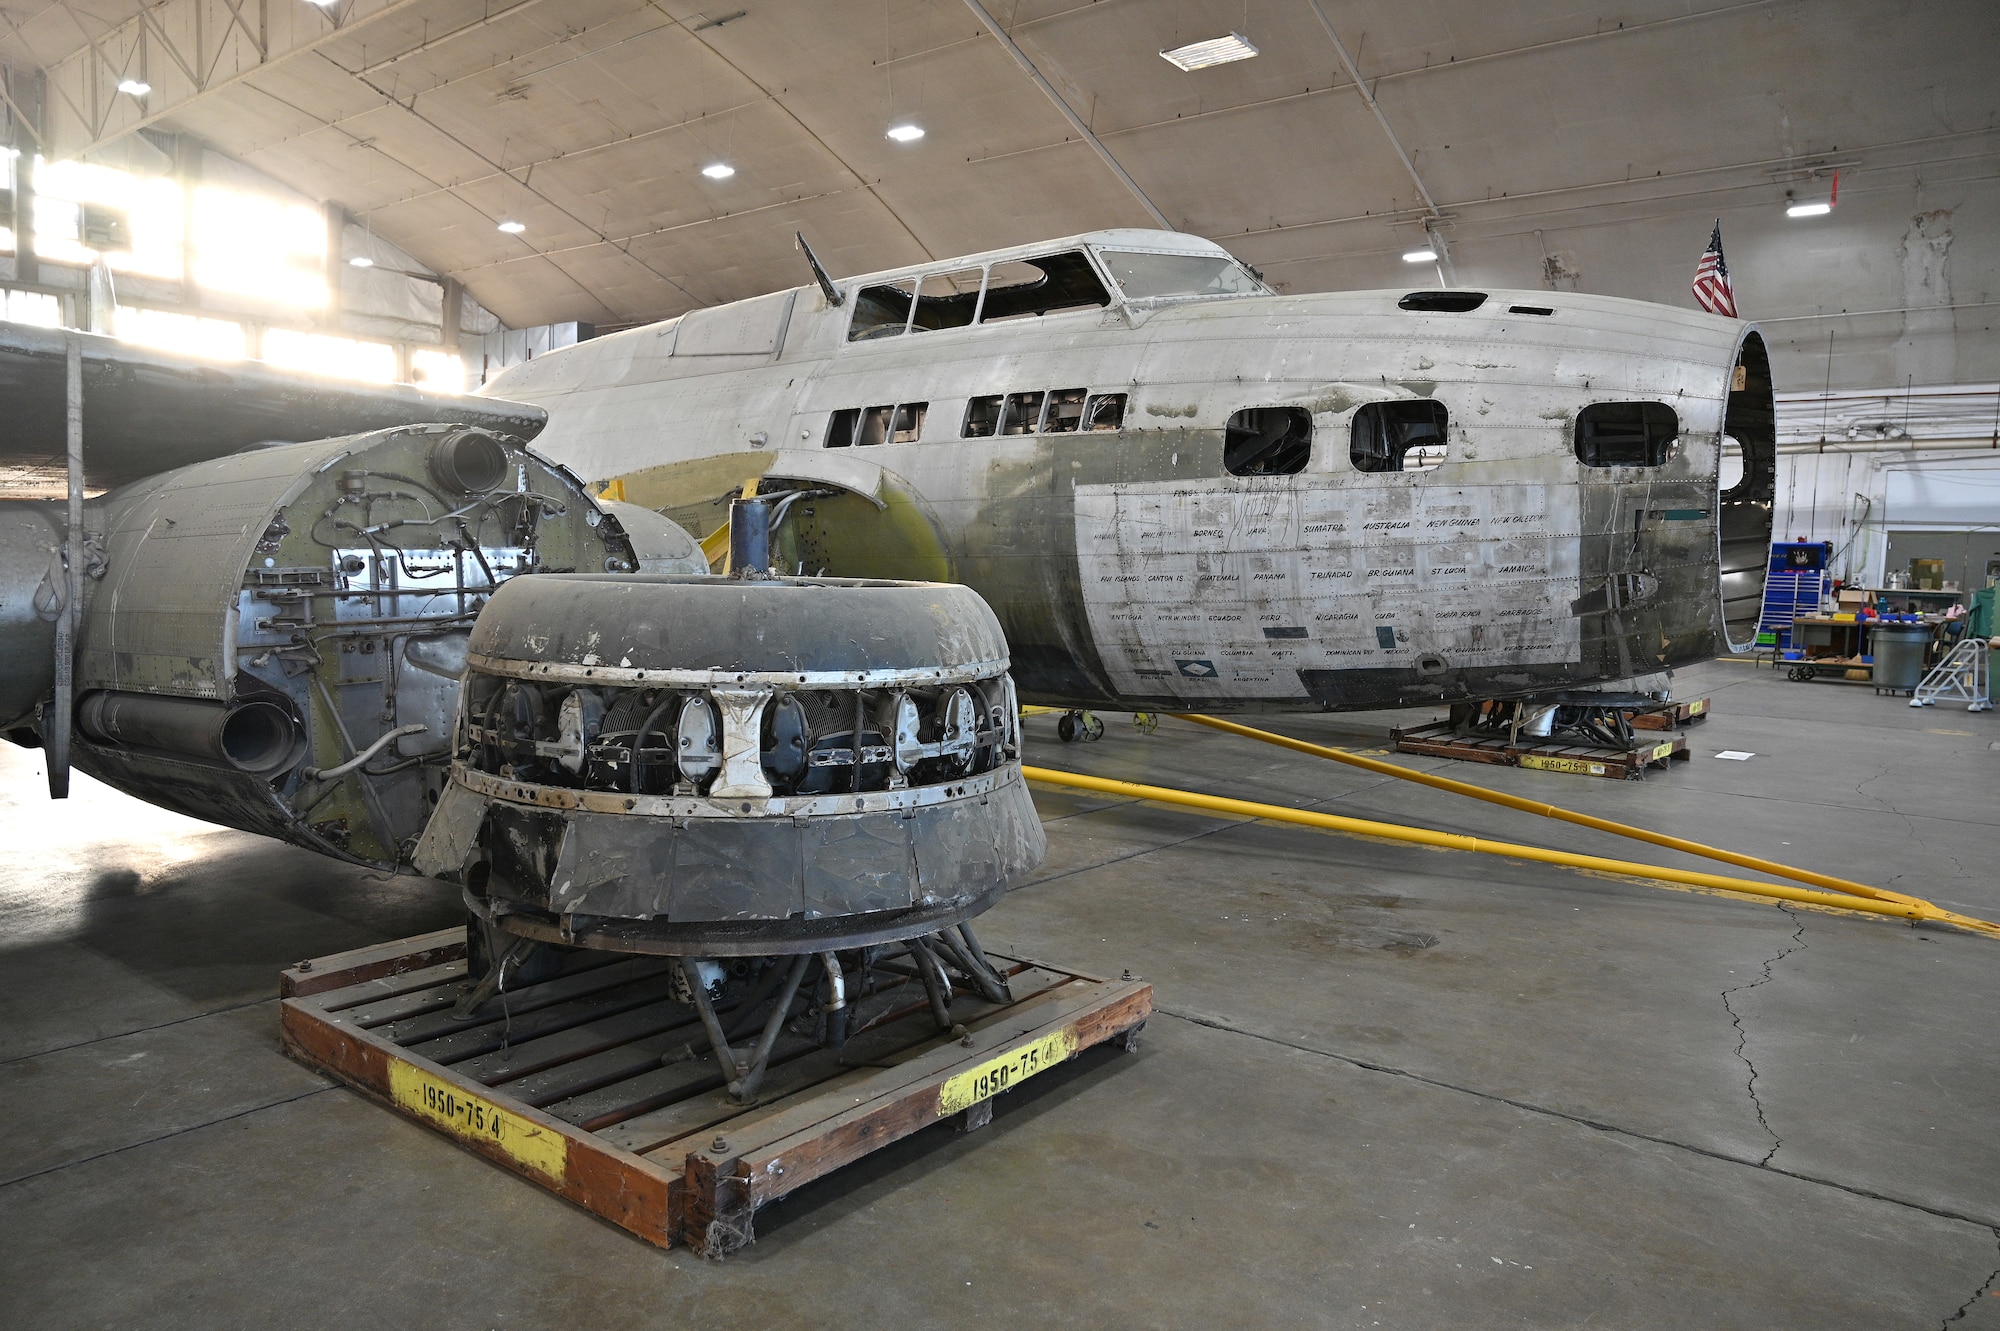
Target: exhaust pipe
(255, 737)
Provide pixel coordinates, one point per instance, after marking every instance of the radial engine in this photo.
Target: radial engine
(761, 776)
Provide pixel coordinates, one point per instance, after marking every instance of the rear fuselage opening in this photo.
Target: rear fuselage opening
(1743, 509)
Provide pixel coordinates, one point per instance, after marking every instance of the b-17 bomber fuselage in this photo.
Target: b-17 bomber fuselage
(1178, 489)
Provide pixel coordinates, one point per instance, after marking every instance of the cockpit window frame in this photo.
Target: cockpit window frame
(863, 291)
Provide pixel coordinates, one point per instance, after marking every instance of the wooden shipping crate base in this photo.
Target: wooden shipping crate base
(1666, 716)
(1437, 739)
(600, 1087)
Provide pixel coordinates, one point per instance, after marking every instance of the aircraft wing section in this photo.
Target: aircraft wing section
(147, 411)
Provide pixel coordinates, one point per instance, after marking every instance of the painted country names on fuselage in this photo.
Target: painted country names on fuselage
(1202, 591)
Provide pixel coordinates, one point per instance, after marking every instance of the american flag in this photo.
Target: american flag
(1711, 278)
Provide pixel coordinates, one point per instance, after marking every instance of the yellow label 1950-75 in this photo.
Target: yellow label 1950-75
(1009, 1070)
(476, 1119)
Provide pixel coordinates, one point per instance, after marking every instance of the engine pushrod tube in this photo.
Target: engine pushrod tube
(1916, 911)
(1466, 788)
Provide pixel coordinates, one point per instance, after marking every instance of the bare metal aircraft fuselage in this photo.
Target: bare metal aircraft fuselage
(1240, 501)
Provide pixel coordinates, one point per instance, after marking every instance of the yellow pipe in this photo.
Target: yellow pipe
(1552, 811)
(1909, 910)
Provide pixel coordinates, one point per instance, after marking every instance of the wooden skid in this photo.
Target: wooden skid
(1438, 740)
(1683, 713)
(598, 1086)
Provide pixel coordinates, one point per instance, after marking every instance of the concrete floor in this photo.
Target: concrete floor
(1387, 1086)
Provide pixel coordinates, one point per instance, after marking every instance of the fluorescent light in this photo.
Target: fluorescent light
(1420, 256)
(718, 171)
(361, 261)
(134, 87)
(906, 133)
(513, 228)
(1809, 210)
(1216, 51)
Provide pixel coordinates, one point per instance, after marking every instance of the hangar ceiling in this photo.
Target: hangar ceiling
(1582, 146)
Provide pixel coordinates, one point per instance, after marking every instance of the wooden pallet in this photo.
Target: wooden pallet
(1438, 740)
(1668, 715)
(598, 1086)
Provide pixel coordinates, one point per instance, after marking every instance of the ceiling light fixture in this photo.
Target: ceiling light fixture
(1420, 256)
(718, 171)
(906, 133)
(1215, 51)
(361, 261)
(134, 87)
(1809, 210)
(513, 228)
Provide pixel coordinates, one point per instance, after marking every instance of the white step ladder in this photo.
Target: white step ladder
(1963, 676)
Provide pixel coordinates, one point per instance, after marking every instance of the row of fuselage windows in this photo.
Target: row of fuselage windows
(1410, 434)
(1061, 411)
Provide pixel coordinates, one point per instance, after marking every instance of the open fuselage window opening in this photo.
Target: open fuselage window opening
(1024, 288)
(982, 417)
(1104, 411)
(1267, 441)
(840, 427)
(1024, 413)
(1626, 434)
(881, 311)
(947, 300)
(1065, 411)
(865, 426)
(1145, 276)
(1409, 435)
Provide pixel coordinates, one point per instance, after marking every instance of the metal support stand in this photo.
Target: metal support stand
(745, 1073)
(56, 722)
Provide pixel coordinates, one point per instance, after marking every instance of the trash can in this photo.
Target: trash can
(1899, 655)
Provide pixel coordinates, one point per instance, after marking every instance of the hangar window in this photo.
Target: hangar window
(1407, 435)
(863, 426)
(982, 417)
(1267, 441)
(1023, 414)
(881, 311)
(1442, 302)
(1065, 411)
(947, 300)
(1104, 411)
(1022, 288)
(1626, 434)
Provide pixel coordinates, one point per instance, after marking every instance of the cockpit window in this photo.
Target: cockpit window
(881, 311)
(1023, 288)
(947, 300)
(1144, 276)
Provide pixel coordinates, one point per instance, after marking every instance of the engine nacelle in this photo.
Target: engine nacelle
(274, 640)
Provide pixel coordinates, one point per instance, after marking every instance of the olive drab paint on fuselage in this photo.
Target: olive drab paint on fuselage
(1129, 568)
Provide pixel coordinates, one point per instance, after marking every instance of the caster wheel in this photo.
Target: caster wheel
(1079, 725)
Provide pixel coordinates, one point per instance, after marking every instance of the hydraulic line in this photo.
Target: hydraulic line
(1909, 910)
(1466, 788)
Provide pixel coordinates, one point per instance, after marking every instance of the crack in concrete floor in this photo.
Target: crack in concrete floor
(1977, 1294)
(1743, 1034)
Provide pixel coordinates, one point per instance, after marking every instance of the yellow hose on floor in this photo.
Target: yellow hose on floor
(1908, 910)
(1466, 788)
